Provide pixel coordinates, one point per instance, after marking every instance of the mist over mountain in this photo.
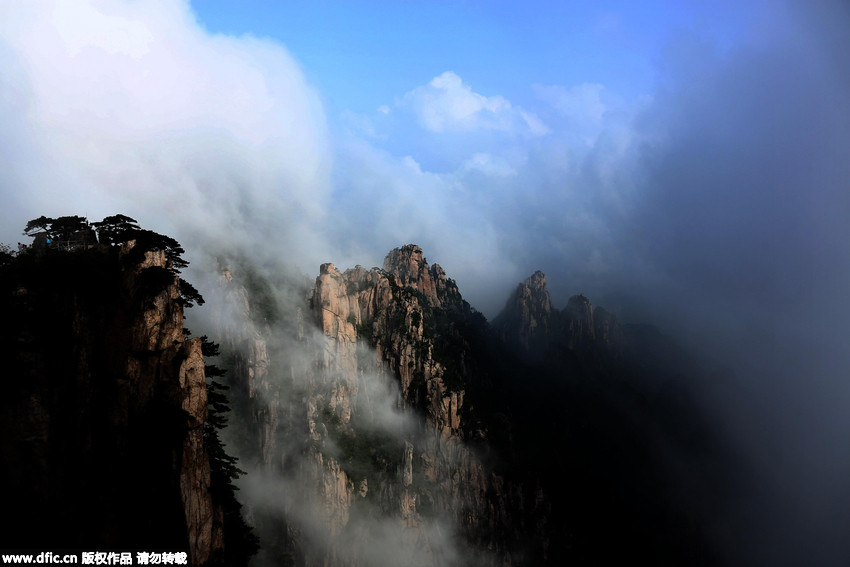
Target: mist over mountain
(377, 418)
(684, 168)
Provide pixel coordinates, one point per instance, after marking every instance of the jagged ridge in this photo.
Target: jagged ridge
(538, 457)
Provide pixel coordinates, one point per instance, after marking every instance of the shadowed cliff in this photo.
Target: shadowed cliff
(380, 411)
(105, 440)
(381, 418)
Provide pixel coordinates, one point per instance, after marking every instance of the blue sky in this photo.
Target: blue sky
(363, 54)
(503, 137)
(686, 163)
(551, 78)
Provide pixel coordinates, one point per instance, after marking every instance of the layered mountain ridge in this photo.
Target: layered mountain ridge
(387, 346)
(484, 444)
(380, 418)
(531, 325)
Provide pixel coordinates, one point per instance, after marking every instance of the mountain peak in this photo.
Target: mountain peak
(536, 285)
(533, 295)
(526, 320)
(406, 263)
(410, 268)
(578, 321)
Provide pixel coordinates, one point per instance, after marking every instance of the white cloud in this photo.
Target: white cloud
(489, 165)
(357, 123)
(535, 125)
(585, 108)
(220, 140)
(480, 188)
(382, 201)
(132, 107)
(582, 101)
(446, 104)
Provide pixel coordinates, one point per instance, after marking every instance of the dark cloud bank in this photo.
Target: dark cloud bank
(743, 248)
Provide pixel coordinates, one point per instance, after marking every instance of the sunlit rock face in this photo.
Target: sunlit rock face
(381, 419)
(388, 423)
(411, 271)
(379, 403)
(391, 308)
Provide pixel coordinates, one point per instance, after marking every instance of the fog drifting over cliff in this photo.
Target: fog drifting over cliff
(133, 107)
(718, 202)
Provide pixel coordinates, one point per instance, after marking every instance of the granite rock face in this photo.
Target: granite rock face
(533, 328)
(527, 319)
(372, 379)
(383, 421)
(163, 361)
(107, 408)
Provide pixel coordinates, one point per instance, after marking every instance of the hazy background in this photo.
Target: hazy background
(691, 164)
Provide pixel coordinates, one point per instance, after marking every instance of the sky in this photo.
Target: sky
(686, 163)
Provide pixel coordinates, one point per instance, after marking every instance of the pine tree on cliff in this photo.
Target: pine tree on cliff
(240, 543)
(116, 229)
(68, 344)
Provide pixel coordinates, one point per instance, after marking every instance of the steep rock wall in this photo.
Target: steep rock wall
(530, 325)
(102, 426)
(366, 380)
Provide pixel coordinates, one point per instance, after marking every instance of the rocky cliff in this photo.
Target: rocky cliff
(385, 422)
(382, 420)
(105, 403)
(531, 326)
(405, 311)
(378, 381)
(602, 392)
(526, 322)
